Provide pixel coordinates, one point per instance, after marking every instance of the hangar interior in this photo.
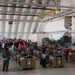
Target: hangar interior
(33, 20)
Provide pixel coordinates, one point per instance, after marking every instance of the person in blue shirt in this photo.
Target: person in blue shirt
(34, 46)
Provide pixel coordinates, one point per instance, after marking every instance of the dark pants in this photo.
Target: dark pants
(43, 62)
(5, 65)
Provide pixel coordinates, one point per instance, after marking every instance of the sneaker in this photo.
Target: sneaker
(2, 70)
(6, 70)
(45, 66)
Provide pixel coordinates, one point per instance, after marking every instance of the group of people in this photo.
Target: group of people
(64, 52)
(22, 45)
(14, 45)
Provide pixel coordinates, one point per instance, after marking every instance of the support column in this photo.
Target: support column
(68, 26)
(73, 30)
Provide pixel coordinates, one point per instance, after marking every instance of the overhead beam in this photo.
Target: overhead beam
(22, 13)
(20, 20)
(18, 14)
(35, 4)
(42, 8)
(41, 32)
(60, 15)
(38, 32)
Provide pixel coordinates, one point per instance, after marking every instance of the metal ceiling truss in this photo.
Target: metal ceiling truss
(36, 4)
(62, 14)
(39, 32)
(14, 6)
(20, 20)
(37, 28)
(37, 23)
(19, 17)
(30, 24)
(58, 4)
(18, 14)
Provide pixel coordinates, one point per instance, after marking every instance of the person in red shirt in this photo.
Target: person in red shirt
(36, 43)
(19, 47)
(65, 52)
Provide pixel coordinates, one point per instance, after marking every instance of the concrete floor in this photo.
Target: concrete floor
(69, 69)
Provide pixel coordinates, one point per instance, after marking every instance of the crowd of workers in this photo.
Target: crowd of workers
(22, 45)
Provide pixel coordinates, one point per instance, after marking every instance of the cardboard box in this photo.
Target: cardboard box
(73, 57)
(33, 62)
(29, 62)
(39, 46)
(50, 51)
(63, 61)
(59, 61)
(72, 51)
(23, 63)
(47, 59)
(35, 53)
(46, 45)
(39, 55)
(18, 59)
(54, 62)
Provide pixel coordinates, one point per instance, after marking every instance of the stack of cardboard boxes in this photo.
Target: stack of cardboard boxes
(57, 62)
(72, 55)
(52, 61)
(27, 63)
(38, 55)
(23, 61)
(60, 61)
